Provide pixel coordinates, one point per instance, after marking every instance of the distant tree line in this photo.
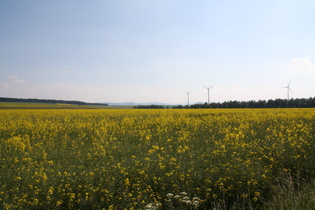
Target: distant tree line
(50, 101)
(149, 107)
(277, 103)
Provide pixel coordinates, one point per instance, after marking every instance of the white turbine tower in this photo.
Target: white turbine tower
(288, 90)
(208, 93)
(187, 97)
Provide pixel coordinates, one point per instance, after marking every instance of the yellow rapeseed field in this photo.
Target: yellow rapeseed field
(149, 159)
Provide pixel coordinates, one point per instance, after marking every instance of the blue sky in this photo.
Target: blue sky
(153, 51)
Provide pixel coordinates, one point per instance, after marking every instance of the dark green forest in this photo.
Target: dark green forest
(149, 107)
(50, 101)
(277, 103)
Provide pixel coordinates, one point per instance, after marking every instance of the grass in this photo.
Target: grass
(290, 194)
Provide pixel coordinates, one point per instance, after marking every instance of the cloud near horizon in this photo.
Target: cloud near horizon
(15, 79)
(302, 65)
(19, 88)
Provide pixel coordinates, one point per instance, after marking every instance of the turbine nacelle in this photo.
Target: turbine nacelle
(288, 90)
(288, 86)
(187, 92)
(208, 87)
(208, 93)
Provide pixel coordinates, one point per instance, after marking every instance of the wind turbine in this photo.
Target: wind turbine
(187, 97)
(208, 93)
(288, 89)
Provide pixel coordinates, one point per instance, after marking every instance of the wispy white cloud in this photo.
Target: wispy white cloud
(67, 90)
(5, 85)
(302, 65)
(17, 80)
(17, 87)
(65, 71)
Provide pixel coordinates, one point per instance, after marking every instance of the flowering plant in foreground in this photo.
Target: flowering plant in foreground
(137, 159)
(179, 201)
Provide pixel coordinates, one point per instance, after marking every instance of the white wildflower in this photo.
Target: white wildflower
(177, 196)
(196, 199)
(153, 206)
(186, 198)
(196, 203)
(187, 202)
(169, 195)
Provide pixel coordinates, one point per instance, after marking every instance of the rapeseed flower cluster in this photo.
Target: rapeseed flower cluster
(137, 159)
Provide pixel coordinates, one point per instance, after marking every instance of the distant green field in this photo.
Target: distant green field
(27, 105)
